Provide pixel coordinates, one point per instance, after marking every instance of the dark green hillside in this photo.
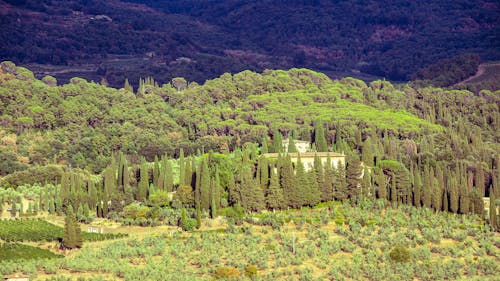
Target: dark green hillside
(201, 40)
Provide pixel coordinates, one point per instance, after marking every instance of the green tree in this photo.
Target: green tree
(277, 146)
(319, 137)
(142, 187)
(353, 177)
(72, 233)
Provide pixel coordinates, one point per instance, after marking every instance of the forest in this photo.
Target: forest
(183, 155)
(201, 40)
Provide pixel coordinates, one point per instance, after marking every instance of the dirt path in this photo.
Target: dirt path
(480, 71)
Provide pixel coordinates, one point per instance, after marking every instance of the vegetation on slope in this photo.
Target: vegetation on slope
(339, 241)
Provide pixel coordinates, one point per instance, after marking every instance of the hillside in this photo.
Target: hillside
(201, 40)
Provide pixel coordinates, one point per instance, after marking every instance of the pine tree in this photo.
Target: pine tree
(72, 233)
(319, 137)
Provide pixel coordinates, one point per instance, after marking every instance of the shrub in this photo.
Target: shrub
(400, 254)
(251, 271)
(229, 272)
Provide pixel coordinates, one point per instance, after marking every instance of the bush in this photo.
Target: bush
(188, 224)
(229, 272)
(251, 271)
(400, 253)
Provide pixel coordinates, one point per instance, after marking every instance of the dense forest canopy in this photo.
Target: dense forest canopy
(428, 146)
(201, 40)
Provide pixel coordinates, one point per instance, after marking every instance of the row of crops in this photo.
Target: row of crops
(19, 230)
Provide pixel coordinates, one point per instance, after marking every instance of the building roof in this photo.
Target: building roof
(306, 154)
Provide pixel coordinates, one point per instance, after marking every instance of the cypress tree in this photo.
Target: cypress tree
(156, 172)
(274, 198)
(437, 197)
(277, 146)
(291, 145)
(493, 210)
(142, 187)
(181, 168)
(127, 86)
(264, 173)
(479, 179)
(366, 183)
(72, 233)
(353, 173)
(427, 187)
(188, 173)
(327, 192)
(319, 137)
(453, 193)
(287, 180)
(264, 148)
(169, 176)
(204, 185)
(313, 191)
(381, 181)
(367, 154)
(417, 189)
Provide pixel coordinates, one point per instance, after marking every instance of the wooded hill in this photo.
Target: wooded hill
(428, 146)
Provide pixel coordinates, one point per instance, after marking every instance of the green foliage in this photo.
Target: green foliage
(227, 273)
(16, 251)
(41, 230)
(400, 254)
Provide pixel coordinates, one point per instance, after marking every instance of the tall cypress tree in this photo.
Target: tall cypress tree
(291, 145)
(168, 176)
(181, 168)
(327, 193)
(381, 181)
(277, 146)
(274, 196)
(319, 137)
(142, 187)
(287, 180)
(156, 172)
(204, 185)
(72, 233)
(417, 188)
(493, 210)
(313, 191)
(264, 148)
(353, 174)
(427, 187)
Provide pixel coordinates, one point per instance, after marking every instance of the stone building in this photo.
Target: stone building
(307, 158)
